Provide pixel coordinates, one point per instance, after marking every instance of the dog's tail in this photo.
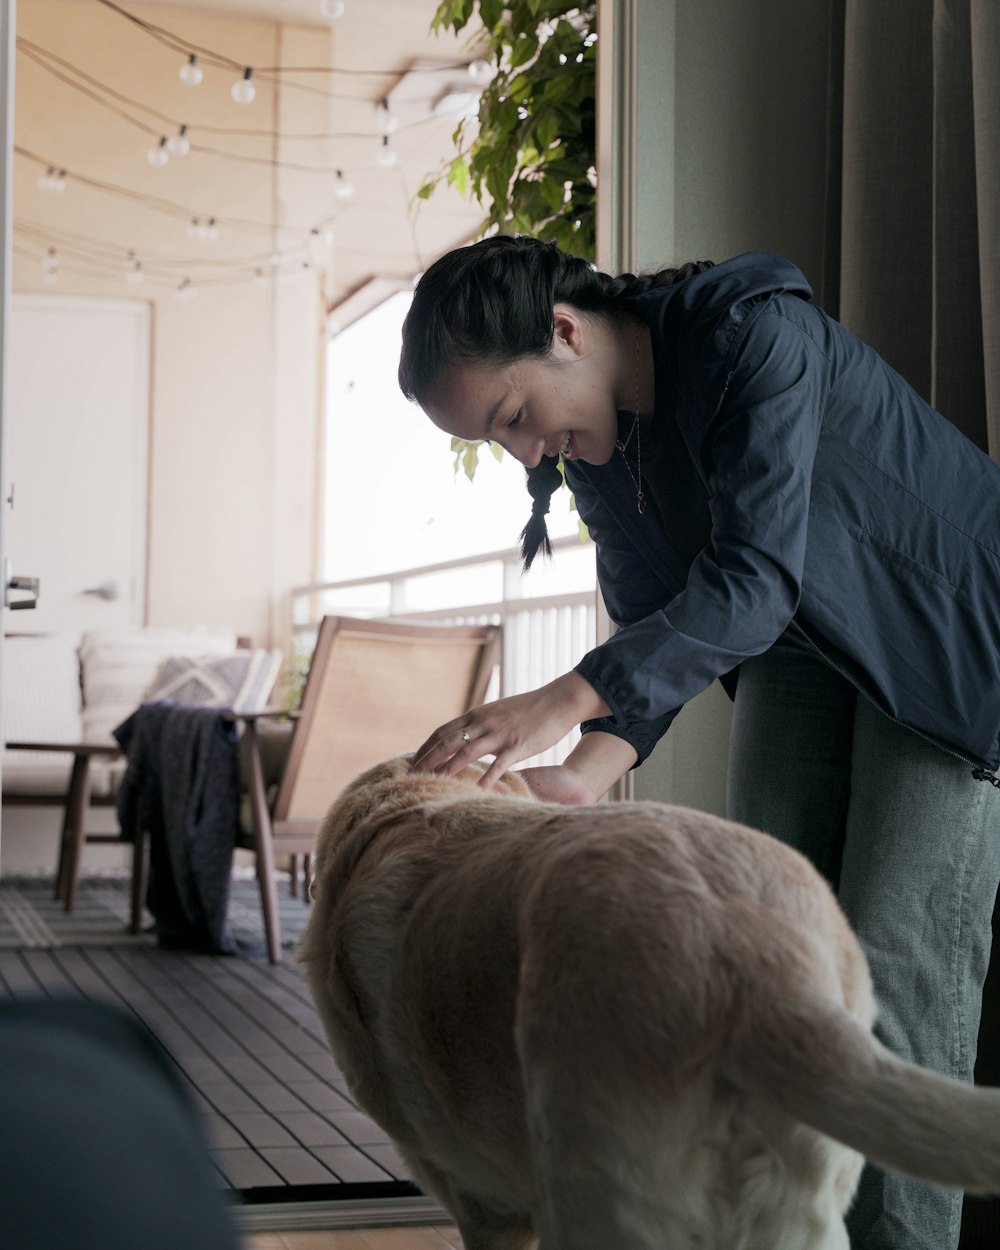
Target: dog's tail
(822, 1067)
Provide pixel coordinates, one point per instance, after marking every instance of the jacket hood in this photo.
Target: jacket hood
(743, 277)
(695, 322)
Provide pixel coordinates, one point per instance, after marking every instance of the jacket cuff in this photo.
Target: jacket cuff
(642, 735)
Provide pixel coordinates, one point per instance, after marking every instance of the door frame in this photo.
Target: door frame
(7, 22)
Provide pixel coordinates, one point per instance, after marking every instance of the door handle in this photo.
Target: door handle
(30, 584)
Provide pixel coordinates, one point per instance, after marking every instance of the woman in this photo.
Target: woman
(772, 506)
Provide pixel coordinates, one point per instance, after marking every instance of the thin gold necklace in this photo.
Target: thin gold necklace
(621, 445)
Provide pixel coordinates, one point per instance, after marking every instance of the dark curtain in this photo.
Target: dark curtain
(913, 241)
(912, 253)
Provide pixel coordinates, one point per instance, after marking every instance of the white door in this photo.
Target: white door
(76, 459)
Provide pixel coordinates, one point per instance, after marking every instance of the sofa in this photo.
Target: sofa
(68, 692)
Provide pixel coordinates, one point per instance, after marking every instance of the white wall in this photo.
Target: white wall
(731, 157)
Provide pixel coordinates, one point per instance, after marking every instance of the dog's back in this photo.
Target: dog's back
(611, 1025)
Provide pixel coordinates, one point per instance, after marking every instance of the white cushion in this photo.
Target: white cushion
(41, 703)
(118, 667)
(41, 688)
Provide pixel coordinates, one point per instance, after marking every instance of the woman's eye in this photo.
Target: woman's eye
(515, 420)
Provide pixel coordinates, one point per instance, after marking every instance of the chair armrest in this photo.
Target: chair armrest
(267, 713)
(76, 748)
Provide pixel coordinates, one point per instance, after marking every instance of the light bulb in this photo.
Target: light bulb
(480, 71)
(259, 277)
(186, 291)
(386, 155)
(191, 72)
(243, 91)
(47, 181)
(195, 229)
(385, 119)
(332, 9)
(158, 155)
(211, 231)
(134, 272)
(50, 262)
(345, 188)
(179, 144)
(59, 182)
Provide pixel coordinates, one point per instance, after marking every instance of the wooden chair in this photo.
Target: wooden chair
(374, 689)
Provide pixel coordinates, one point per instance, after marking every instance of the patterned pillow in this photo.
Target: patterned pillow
(119, 665)
(241, 681)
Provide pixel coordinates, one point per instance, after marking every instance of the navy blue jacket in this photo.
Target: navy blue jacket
(797, 482)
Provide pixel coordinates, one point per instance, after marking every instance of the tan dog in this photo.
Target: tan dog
(626, 1027)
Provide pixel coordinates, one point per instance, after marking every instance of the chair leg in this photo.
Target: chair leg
(307, 878)
(62, 863)
(77, 806)
(140, 871)
(293, 872)
(264, 846)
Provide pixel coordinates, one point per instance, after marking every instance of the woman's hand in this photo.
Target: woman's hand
(510, 729)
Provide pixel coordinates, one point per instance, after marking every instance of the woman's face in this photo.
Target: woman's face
(563, 404)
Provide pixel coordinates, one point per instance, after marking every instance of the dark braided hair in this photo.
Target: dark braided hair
(492, 304)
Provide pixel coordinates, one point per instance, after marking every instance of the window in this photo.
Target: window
(392, 498)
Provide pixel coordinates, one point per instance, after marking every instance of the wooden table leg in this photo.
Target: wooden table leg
(74, 831)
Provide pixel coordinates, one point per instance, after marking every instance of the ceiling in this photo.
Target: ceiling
(97, 88)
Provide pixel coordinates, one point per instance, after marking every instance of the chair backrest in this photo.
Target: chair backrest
(376, 689)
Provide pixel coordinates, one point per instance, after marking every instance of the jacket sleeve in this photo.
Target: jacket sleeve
(757, 450)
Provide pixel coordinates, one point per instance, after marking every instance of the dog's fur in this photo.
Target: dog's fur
(625, 1027)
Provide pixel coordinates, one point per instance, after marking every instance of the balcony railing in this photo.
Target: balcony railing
(549, 622)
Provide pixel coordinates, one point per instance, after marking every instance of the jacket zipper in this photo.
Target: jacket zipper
(979, 772)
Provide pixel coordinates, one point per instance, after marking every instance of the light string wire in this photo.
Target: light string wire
(220, 61)
(32, 53)
(90, 248)
(150, 265)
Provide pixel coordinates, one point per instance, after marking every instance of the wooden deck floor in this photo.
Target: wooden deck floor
(246, 1037)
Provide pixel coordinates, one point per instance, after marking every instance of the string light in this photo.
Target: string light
(186, 291)
(480, 71)
(133, 272)
(243, 91)
(386, 155)
(385, 119)
(344, 186)
(50, 267)
(179, 144)
(191, 72)
(332, 10)
(52, 180)
(205, 231)
(158, 154)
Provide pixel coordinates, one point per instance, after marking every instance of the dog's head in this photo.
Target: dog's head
(392, 787)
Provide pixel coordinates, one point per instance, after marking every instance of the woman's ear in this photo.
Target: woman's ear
(570, 338)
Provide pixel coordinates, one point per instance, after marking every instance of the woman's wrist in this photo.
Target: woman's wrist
(579, 698)
(599, 760)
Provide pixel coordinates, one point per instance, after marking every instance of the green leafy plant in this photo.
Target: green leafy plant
(528, 155)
